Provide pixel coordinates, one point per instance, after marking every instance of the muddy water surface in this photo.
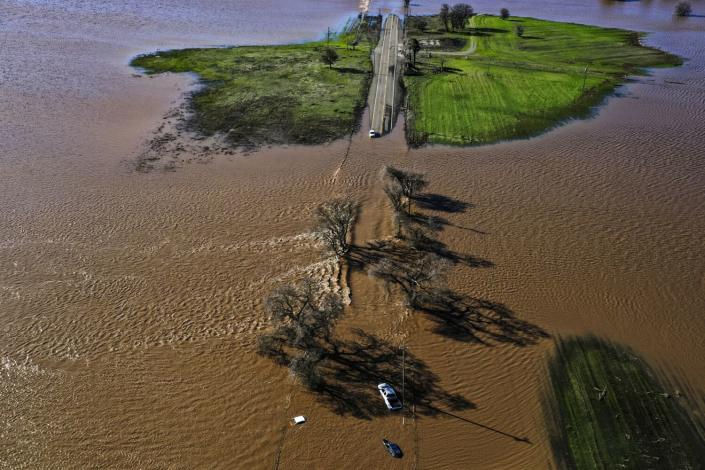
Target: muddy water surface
(130, 303)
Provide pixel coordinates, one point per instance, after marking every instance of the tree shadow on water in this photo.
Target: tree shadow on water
(441, 203)
(475, 320)
(351, 369)
(515, 438)
(426, 244)
(362, 257)
(456, 315)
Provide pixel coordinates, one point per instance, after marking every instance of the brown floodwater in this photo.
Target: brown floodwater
(130, 303)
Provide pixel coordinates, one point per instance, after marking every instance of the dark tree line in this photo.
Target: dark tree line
(454, 18)
(683, 9)
(417, 22)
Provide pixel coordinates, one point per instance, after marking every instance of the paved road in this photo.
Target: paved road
(385, 92)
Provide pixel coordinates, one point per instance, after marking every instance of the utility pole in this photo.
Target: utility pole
(328, 37)
(403, 379)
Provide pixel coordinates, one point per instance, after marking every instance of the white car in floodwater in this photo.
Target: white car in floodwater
(373, 133)
(390, 396)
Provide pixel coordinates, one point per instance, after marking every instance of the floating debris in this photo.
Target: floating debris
(298, 420)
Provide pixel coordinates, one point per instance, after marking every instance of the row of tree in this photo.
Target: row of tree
(401, 187)
(415, 264)
(303, 316)
(454, 18)
(418, 271)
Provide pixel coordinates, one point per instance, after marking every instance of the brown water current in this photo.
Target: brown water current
(130, 303)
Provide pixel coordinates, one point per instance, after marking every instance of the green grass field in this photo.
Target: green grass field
(516, 86)
(273, 94)
(609, 411)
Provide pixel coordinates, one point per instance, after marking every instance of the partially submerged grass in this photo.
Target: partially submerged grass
(609, 411)
(517, 87)
(273, 94)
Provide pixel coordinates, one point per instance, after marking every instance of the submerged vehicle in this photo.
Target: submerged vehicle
(373, 133)
(393, 449)
(390, 396)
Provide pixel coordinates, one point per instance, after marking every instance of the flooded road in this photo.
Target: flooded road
(130, 303)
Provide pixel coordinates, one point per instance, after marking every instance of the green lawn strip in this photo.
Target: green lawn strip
(517, 87)
(635, 424)
(259, 95)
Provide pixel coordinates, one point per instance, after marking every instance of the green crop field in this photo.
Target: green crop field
(273, 94)
(501, 86)
(609, 410)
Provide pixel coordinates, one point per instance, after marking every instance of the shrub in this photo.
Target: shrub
(683, 9)
(329, 56)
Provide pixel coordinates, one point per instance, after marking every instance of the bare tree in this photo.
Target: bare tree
(414, 276)
(424, 273)
(306, 368)
(288, 302)
(421, 231)
(303, 320)
(395, 197)
(409, 184)
(402, 222)
(334, 220)
(444, 16)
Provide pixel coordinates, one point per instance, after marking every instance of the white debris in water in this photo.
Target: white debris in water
(299, 420)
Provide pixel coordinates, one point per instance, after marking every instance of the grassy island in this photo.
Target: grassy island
(274, 94)
(499, 79)
(611, 411)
